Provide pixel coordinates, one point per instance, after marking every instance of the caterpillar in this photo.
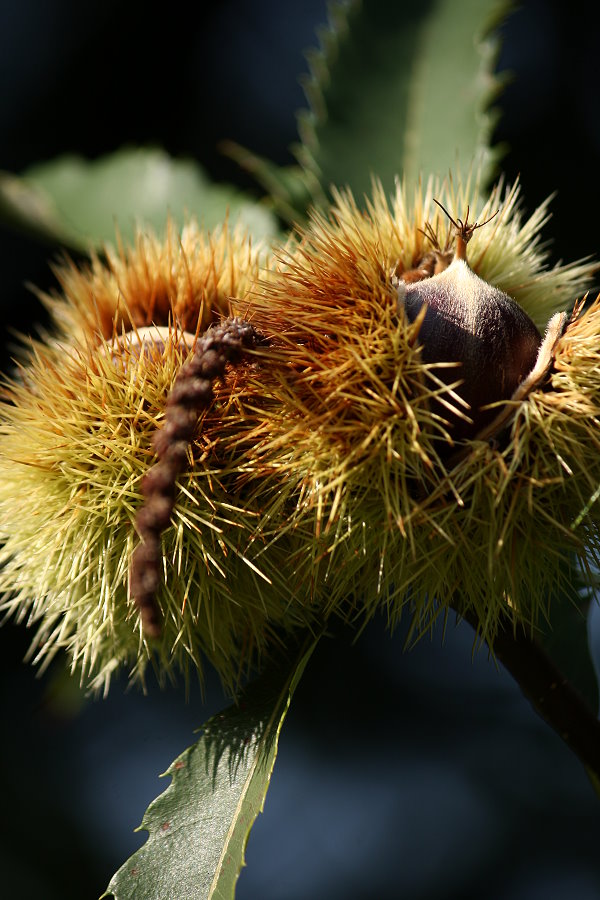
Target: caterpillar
(191, 393)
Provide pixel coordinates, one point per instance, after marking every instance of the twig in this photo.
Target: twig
(548, 691)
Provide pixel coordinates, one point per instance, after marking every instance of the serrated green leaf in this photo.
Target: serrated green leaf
(78, 203)
(199, 826)
(400, 89)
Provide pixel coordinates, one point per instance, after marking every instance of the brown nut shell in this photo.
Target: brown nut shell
(487, 335)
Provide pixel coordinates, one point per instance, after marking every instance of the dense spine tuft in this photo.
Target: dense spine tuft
(326, 480)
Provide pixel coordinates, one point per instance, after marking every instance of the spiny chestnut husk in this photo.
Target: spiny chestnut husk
(321, 472)
(484, 332)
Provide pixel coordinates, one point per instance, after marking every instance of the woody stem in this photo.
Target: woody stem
(548, 691)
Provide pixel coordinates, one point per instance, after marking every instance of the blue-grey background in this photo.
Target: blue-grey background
(420, 775)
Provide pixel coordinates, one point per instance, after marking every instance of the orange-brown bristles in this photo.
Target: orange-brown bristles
(318, 481)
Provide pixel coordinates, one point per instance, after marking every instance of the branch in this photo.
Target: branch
(548, 691)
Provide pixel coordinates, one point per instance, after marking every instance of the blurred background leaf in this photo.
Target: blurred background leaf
(401, 89)
(394, 90)
(80, 203)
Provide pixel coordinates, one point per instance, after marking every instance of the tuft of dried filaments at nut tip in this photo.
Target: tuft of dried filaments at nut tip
(192, 392)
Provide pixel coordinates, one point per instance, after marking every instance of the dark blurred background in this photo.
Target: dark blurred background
(421, 775)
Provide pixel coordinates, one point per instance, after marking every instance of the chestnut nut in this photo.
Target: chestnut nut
(491, 340)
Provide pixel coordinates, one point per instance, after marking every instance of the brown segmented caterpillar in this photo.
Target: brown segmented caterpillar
(191, 393)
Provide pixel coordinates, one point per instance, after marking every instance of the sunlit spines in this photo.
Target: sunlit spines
(320, 481)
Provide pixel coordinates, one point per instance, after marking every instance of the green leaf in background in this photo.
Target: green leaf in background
(78, 203)
(400, 89)
(199, 826)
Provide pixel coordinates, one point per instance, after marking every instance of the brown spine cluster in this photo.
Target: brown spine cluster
(191, 393)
